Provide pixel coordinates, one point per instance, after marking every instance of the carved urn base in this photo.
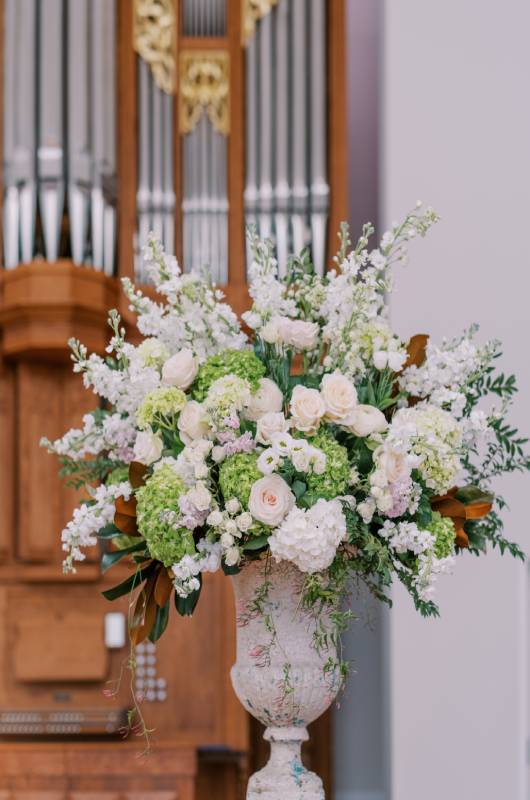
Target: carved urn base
(286, 673)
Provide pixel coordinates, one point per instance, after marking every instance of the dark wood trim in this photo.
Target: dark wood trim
(337, 122)
(127, 139)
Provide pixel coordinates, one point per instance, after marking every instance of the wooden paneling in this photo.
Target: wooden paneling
(57, 642)
(7, 459)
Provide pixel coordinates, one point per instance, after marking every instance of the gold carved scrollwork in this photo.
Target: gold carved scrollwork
(204, 85)
(155, 39)
(251, 12)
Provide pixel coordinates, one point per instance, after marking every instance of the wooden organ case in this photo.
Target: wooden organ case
(191, 118)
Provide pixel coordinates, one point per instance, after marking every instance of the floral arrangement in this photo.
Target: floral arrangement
(320, 438)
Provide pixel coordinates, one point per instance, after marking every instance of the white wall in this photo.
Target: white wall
(456, 133)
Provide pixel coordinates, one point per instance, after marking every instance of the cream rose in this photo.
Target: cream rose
(268, 398)
(307, 409)
(366, 420)
(340, 397)
(192, 422)
(270, 423)
(180, 370)
(300, 334)
(270, 500)
(148, 447)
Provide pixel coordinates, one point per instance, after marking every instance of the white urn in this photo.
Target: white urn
(286, 672)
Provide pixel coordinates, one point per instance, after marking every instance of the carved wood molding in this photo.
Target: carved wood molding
(155, 39)
(251, 12)
(204, 86)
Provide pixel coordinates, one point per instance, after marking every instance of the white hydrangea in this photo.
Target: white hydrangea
(434, 437)
(304, 456)
(309, 539)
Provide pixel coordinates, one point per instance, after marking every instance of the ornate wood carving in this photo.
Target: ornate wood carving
(204, 86)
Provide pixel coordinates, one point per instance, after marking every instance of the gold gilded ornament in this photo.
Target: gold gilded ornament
(155, 39)
(204, 85)
(251, 12)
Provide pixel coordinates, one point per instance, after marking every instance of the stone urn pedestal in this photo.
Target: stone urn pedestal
(286, 673)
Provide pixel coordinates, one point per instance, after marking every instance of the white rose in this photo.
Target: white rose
(300, 334)
(215, 518)
(270, 423)
(180, 370)
(218, 453)
(244, 521)
(270, 500)
(227, 540)
(233, 505)
(339, 395)
(366, 420)
(200, 497)
(394, 465)
(148, 447)
(268, 399)
(192, 422)
(307, 409)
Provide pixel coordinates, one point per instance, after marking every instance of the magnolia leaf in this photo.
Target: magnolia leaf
(162, 617)
(113, 556)
(257, 543)
(128, 585)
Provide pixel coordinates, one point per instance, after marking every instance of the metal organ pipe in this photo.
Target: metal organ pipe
(50, 152)
(282, 191)
(266, 140)
(318, 185)
(20, 125)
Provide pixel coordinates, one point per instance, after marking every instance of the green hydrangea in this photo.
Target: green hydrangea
(157, 505)
(243, 363)
(443, 530)
(236, 476)
(160, 406)
(335, 479)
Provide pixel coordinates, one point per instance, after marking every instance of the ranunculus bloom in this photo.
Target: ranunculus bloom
(180, 370)
(340, 397)
(307, 409)
(192, 422)
(270, 500)
(148, 447)
(300, 334)
(394, 465)
(268, 398)
(367, 420)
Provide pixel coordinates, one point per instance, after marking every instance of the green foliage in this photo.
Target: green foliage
(243, 363)
(443, 529)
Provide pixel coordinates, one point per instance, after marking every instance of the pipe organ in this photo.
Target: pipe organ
(191, 119)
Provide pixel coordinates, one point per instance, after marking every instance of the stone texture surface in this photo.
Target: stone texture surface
(285, 675)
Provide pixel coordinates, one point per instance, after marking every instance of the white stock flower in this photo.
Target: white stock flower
(267, 399)
(367, 420)
(148, 447)
(192, 422)
(309, 539)
(180, 370)
(272, 331)
(270, 500)
(340, 397)
(307, 409)
(270, 423)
